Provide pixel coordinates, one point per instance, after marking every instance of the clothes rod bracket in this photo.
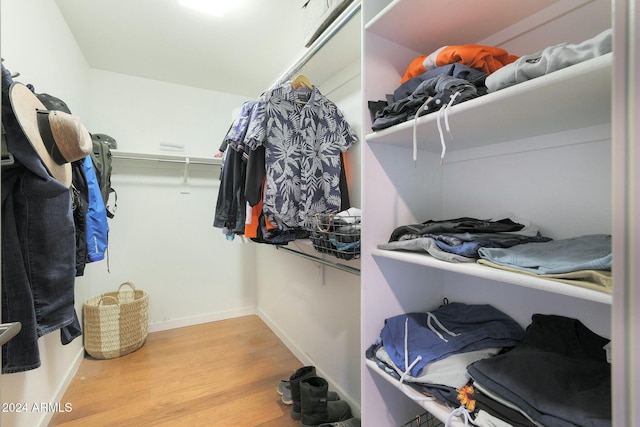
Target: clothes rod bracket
(319, 260)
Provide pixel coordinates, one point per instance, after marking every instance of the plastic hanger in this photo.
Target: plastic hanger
(301, 81)
(13, 75)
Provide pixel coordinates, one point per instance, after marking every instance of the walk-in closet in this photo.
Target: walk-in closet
(551, 148)
(168, 131)
(462, 133)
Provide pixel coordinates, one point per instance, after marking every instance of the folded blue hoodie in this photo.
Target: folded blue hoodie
(452, 328)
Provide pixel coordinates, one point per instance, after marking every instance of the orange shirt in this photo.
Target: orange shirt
(485, 58)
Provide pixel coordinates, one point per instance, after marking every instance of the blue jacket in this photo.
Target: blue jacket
(97, 228)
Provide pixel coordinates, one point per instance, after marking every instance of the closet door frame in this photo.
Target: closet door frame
(626, 209)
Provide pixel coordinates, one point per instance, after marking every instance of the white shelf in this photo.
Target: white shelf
(435, 408)
(571, 98)
(165, 157)
(486, 272)
(425, 29)
(550, 134)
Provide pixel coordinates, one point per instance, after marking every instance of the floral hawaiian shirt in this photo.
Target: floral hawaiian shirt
(304, 135)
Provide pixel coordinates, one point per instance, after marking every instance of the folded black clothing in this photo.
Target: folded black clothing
(499, 410)
(457, 225)
(558, 376)
(375, 107)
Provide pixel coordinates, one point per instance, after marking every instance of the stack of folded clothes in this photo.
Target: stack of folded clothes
(559, 376)
(486, 368)
(448, 76)
(460, 239)
(430, 351)
(454, 74)
(511, 244)
(584, 261)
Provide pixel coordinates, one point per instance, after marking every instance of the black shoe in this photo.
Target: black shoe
(316, 408)
(294, 384)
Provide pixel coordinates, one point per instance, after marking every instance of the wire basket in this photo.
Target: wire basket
(425, 419)
(336, 234)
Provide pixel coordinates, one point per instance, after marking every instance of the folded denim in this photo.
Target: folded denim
(425, 244)
(470, 243)
(588, 252)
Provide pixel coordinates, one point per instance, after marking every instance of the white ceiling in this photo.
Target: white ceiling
(241, 53)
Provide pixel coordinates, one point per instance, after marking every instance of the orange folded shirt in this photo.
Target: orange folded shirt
(485, 58)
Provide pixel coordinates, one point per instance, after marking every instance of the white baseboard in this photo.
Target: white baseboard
(62, 387)
(307, 361)
(197, 320)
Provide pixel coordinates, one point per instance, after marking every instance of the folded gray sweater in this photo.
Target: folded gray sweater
(548, 60)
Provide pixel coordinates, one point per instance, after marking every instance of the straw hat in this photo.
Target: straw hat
(58, 137)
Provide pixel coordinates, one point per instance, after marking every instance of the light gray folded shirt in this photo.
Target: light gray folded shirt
(450, 371)
(548, 60)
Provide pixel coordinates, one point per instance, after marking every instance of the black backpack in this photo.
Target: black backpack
(101, 157)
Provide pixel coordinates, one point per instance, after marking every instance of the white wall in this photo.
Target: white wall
(162, 237)
(36, 42)
(141, 113)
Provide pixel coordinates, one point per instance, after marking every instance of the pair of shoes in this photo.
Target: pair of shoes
(351, 422)
(316, 407)
(294, 386)
(284, 390)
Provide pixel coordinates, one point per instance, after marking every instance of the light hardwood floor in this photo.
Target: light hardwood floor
(217, 374)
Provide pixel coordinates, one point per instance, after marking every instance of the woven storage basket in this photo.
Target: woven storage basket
(116, 323)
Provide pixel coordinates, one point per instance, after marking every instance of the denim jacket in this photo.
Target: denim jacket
(38, 249)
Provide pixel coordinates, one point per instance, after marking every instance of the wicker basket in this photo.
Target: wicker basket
(116, 323)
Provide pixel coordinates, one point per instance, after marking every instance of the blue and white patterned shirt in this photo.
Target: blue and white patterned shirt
(304, 135)
(236, 134)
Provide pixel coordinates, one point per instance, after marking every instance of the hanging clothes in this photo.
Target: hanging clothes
(284, 162)
(38, 248)
(230, 211)
(304, 135)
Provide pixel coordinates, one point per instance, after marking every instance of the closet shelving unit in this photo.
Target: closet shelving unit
(586, 82)
(563, 118)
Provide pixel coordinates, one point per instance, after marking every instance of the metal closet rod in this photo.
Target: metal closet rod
(313, 258)
(318, 44)
(154, 159)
